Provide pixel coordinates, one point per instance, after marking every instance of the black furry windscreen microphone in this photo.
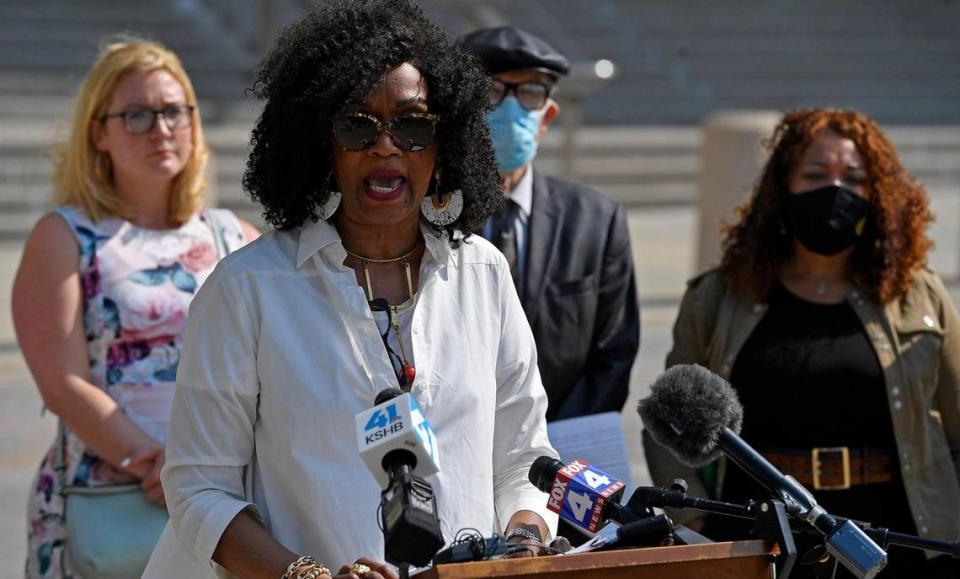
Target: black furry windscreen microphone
(687, 410)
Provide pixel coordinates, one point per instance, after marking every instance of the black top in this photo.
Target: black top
(808, 376)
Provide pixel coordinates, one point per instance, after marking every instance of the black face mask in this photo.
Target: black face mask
(825, 220)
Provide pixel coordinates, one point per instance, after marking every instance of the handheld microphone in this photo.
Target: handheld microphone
(695, 414)
(396, 425)
(582, 494)
(396, 441)
(643, 533)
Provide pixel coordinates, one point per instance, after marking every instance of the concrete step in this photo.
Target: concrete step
(63, 36)
(49, 35)
(203, 57)
(694, 106)
(90, 10)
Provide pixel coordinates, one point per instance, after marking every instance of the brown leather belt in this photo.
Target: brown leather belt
(834, 467)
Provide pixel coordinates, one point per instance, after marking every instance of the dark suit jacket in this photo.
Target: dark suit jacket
(580, 297)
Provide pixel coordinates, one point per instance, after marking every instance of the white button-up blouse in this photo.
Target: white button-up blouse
(281, 352)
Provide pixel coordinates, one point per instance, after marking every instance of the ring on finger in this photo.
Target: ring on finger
(359, 569)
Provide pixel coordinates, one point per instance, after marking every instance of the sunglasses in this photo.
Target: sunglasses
(410, 132)
(140, 121)
(381, 305)
(532, 95)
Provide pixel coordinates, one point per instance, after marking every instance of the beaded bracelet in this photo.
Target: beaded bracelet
(525, 534)
(306, 567)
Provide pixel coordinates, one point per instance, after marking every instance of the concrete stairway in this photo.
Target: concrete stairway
(677, 61)
(47, 46)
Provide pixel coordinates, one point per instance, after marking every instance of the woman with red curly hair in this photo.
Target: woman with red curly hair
(842, 344)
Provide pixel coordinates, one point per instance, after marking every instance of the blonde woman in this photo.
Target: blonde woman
(102, 292)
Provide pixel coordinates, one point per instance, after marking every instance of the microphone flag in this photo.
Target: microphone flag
(397, 425)
(581, 493)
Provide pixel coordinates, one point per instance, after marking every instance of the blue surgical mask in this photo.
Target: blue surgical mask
(514, 132)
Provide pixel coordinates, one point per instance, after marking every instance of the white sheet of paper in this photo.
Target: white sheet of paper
(597, 439)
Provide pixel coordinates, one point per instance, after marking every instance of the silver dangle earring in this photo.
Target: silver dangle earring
(442, 209)
(332, 202)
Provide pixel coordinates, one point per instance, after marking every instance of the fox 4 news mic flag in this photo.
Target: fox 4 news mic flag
(581, 494)
(397, 424)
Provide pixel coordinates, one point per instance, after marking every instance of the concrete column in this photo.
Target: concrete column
(731, 157)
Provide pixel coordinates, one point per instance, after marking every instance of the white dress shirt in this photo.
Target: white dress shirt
(522, 195)
(282, 351)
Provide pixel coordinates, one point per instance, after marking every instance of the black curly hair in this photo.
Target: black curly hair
(337, 54)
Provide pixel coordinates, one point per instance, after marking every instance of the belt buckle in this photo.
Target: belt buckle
(815, 467)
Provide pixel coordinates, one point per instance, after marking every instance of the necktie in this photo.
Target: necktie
(504, 236)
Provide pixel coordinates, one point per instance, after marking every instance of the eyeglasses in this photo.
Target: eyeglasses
(532, 95)
(140, 121)
(398, 362)
(410, 131)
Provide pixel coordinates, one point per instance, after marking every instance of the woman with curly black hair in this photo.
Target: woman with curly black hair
(373, 162)
(842, 344)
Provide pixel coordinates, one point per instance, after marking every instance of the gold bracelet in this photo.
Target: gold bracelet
(305, 567)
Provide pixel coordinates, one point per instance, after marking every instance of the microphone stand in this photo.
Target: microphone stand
(769, 517)
(644, 499)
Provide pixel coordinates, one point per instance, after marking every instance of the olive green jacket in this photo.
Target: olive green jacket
(917, 341)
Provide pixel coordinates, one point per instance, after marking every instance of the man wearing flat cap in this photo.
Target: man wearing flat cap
(567, 245)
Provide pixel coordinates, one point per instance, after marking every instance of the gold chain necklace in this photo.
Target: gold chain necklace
(404, 259)
(393, 311)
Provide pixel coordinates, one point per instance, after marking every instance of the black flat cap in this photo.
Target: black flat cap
(507, 48)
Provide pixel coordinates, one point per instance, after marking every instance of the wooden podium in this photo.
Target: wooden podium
(737, 560)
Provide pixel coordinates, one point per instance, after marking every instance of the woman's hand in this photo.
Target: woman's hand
(146, 464)
(521, 548)
(366, 568)
(533, 526)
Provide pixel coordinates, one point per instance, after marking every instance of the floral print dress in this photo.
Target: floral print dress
(137, 286)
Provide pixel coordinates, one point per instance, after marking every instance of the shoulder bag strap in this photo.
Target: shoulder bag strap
(60, 457)
(214, 224)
